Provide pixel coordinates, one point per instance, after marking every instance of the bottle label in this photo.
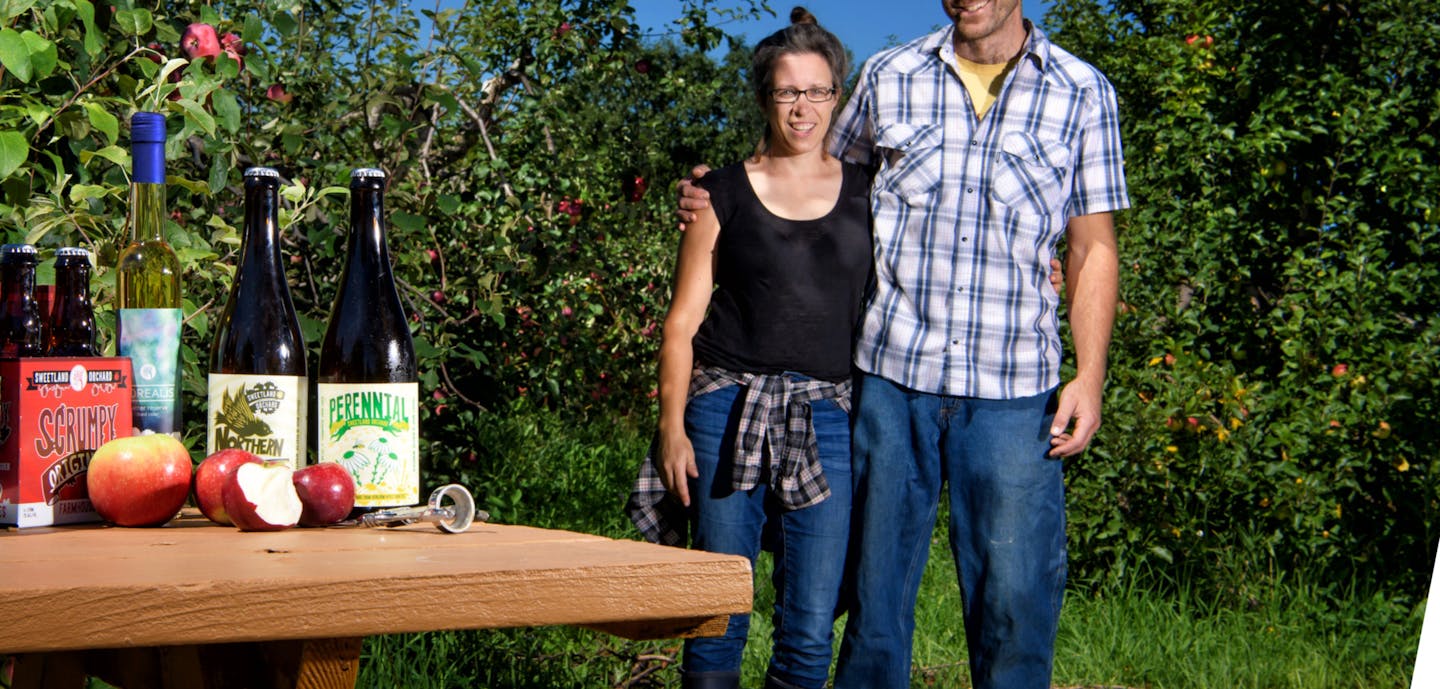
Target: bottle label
(263, 415)
(151, 338)
(372, 429)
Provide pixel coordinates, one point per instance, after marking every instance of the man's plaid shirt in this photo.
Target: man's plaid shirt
(968, 212)
(775, 443)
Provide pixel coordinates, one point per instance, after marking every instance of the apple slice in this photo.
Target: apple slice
(327, 493)
(261, 497)
(210, 479)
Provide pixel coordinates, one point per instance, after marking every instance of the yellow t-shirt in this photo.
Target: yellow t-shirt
(982, 81)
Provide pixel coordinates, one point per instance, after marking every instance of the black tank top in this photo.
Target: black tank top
(788, 292)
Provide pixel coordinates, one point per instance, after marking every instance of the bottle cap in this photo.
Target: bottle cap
(72, 252)
(17, 252)
(367, 173)
(147, 127)
(147, 147)
(262, 172)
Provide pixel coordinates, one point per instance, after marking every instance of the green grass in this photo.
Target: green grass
(535, 468)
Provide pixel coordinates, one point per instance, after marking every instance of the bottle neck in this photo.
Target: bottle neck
(72, 283)
(147, 212)
(367, 228)
(262, 226)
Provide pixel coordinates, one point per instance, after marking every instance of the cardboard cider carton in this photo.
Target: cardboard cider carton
(54, 414)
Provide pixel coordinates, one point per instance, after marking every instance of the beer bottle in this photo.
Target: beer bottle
(72, 316)
(20, 323)
(259, 395)
(367, 392)
(147, 323)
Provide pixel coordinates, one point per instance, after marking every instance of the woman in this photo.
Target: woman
(754, 396)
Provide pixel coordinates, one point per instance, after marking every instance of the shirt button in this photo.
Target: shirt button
(970, 190)
(964, 239)
(955, 342)
(974, 142)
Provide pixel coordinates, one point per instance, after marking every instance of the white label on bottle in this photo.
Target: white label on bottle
(373, 430)
(263, 415)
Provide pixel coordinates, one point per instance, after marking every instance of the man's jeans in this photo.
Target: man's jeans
(1007, 532)
(809, 543)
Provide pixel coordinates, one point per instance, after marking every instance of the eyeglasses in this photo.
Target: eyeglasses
(816, 94)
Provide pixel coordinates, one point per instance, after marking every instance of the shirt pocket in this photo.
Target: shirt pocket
(912, 160)
(1030, 174)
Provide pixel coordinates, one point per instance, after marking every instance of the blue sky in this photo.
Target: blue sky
(865, 26)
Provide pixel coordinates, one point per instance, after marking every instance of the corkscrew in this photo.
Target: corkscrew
(451, 509)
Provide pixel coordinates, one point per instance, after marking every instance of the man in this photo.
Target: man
(988, 143)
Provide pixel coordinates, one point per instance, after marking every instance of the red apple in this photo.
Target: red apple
(140, 480)
(261, 497)
(327, 493)
(199, 40)
(277, 93)
(211, 477)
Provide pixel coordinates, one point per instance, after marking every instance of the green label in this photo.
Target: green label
(151, 338)
(371, 430)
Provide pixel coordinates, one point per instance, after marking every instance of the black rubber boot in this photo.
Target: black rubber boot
(710, 680)
(772, 683)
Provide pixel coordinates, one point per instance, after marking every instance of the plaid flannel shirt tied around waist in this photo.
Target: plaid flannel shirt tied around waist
(775, 439)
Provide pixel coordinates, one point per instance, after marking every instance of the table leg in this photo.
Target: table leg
(297, 664)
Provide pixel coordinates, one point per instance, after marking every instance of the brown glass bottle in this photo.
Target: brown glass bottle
(20, 323)
(72, 316)
(258, 391)
(367, 391)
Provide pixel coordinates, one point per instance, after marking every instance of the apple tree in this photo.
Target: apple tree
(1274, 373)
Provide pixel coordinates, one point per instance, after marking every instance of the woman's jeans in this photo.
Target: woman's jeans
(1007, 532)
(809, 544)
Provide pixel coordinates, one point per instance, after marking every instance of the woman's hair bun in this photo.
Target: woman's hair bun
(800, 15)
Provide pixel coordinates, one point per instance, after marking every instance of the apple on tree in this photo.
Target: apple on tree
(140, 480)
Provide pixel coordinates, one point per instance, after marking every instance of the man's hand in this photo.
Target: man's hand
(1077, 418)
(691, 198)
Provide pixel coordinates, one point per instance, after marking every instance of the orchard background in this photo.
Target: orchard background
(1273, 384)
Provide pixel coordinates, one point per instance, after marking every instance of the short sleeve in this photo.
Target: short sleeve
(1099, 181)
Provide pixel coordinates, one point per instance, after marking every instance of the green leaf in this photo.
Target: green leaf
(114, 154)
(42, 53)
(196, 115)
(14, 150)
(92, 36)
(165, 33)
(188, 184)
(15, 8)
(254, 29)
(84, 192)
(227, 109)
(15, 55)
(103, 121)
(134, 22)
(219, 172)
(284, 24)
(407, 221)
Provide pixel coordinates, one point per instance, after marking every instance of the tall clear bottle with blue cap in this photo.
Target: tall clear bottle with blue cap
(148, 316)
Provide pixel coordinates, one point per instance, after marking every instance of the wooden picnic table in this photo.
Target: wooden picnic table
(192, 604)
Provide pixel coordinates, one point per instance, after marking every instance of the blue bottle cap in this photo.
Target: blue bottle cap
(147, 147)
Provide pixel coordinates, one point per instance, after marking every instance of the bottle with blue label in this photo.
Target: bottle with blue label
(148, 317)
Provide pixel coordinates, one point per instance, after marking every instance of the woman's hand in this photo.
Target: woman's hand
(677, 465)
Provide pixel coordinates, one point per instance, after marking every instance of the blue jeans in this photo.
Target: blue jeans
(809, 544)
(1007, 532)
